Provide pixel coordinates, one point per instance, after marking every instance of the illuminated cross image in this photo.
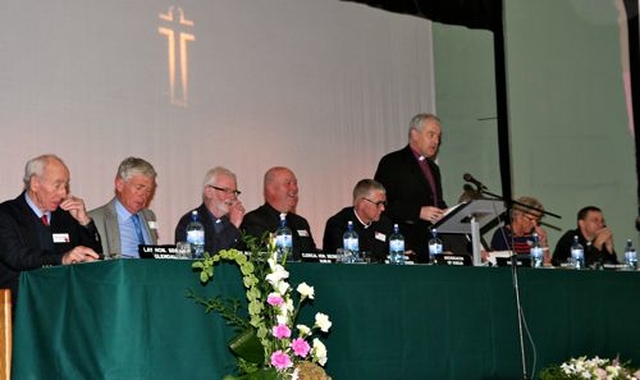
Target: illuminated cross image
(177, 36)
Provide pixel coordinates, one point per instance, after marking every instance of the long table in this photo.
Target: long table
(131, 320)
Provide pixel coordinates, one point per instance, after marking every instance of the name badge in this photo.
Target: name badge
(303, 233)
(153, 224)
(380, 236)
(60, 238)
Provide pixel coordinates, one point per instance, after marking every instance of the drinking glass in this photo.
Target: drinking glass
(183, 250)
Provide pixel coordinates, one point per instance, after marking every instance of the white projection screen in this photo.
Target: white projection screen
(321, 86)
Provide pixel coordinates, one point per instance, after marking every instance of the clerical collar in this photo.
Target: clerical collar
(360, 220)
(417, 155)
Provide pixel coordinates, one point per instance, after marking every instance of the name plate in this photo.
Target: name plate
(453, 260)
(167, 251)
(318, 257)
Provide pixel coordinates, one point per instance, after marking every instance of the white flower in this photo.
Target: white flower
(319, 352)
(278, 274)
(282, 319)
(282, 287)
(294, 375)
(323, 322)
(305, 290)
(304, 330)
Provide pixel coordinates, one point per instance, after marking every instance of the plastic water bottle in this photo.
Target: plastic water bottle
(396, 247)
(435, 246)
(350, 243)
(577, 254)
(283, 240)
(630, 256)
(195, 236)
(537, 253)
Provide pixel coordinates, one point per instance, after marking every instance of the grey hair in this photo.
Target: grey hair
(134, 165)
(364, 187)
(213, 174)
(528, 201)
(35, 167)
(417, 122)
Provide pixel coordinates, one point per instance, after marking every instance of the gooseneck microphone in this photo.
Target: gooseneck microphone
(469, 178)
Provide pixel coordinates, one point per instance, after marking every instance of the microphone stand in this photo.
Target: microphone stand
(514, 274)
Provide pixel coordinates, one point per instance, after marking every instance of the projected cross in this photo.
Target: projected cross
(176, 36)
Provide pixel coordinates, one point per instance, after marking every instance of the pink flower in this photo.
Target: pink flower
(281, 331)
(280, 360)
(300, 347)
(275, 299)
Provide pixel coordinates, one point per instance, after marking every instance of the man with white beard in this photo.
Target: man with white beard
(221, 212)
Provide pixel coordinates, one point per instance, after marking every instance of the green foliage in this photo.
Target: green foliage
(249, 345)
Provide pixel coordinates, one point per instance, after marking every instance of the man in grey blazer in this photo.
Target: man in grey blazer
(126, 222)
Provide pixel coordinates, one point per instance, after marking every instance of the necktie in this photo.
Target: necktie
(45, 220)
(138, 228)
(426, 170)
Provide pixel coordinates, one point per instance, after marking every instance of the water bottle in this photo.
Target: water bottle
(396, 247)
(350, 243)
(577, 254)
(630, 256)
(283, 240)
(195, 236)
(435, 246)
(537, 253)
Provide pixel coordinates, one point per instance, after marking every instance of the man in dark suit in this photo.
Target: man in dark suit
(221, 212)
(413, 184)
(44, 225)
(126, 221)
(281, 197)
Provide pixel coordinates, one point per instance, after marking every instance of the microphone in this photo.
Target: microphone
(469, 178)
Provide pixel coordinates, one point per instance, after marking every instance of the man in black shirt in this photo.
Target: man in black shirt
(373, 228)
(281, 198)
(596, 239)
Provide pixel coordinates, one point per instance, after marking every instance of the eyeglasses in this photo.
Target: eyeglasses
(378, 203)
(226, 191)
(531, 218)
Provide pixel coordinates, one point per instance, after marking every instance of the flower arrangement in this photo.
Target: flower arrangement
(595, 368)
(270, 344)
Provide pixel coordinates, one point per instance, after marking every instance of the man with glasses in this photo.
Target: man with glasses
(371, 225)
(517, 235)
(594, 235)
(221, 212)
(125, 221)
(412, 180)
(281, 198)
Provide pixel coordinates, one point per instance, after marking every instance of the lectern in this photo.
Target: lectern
(469, 218)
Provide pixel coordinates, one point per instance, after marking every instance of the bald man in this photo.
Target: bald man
(281, 198)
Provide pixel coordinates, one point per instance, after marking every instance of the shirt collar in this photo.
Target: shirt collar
(123, 213)
(35, 208)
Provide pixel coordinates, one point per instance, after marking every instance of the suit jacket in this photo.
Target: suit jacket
(266, 218)
(106, 220)
(373, 239)
(26, 243)
(407, 191)
(214, 241)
